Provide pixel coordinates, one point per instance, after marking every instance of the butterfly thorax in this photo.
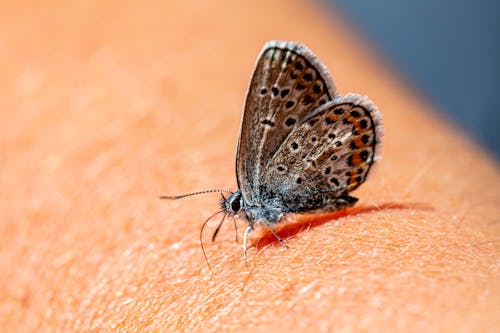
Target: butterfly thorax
(268, 212)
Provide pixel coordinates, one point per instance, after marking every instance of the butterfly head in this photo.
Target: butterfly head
(232, 204)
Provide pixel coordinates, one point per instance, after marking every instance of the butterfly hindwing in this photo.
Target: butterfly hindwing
(326, 156)
(287, 84)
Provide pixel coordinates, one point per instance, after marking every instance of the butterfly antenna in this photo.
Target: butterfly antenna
(201, 235)
(175, 197)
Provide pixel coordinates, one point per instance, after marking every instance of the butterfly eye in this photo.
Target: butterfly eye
(235, 205)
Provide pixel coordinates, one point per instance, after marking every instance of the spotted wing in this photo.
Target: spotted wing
(288, 83)
(326, 156)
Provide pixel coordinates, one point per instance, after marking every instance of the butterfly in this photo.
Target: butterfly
(302, 147)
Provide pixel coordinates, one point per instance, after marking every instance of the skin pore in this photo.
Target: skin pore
(110, 106)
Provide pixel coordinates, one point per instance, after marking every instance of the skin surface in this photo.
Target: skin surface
(107, 106)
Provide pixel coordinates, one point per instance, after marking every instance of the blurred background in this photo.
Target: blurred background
(449, 50)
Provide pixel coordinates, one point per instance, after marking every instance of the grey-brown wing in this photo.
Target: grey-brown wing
(288, 83)
(326, 156)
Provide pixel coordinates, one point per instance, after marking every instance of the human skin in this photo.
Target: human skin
(106, 107)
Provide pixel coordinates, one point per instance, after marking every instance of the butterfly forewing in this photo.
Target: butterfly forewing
(326, 156)
(288, 83)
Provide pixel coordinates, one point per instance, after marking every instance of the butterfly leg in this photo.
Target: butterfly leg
(248, 230)
(216, 232)
(235, 228)
(276, 235)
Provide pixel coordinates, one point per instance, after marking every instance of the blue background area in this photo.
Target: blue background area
(449, 49)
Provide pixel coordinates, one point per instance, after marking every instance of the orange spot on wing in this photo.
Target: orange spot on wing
(356, 159)
(357, 127)
(352, 181)
(331, 118)
(349, 119)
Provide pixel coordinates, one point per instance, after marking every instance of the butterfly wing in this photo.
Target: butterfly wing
(326, 156)
(288, 82)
